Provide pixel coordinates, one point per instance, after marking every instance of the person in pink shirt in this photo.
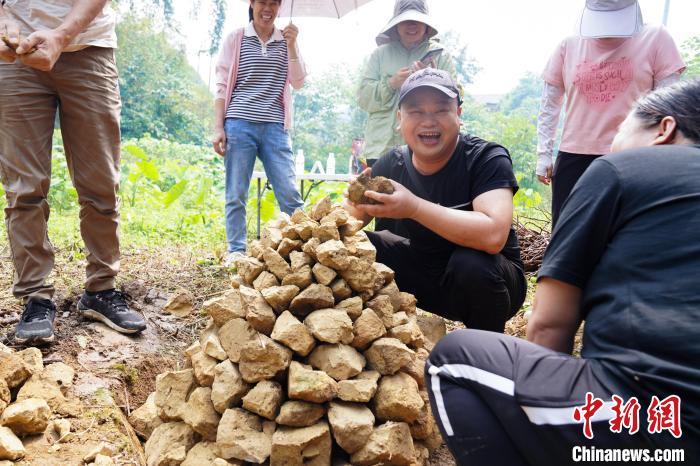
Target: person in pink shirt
(258, 67)
(598, 74)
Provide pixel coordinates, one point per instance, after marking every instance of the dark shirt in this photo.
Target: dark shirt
(476, 167)
(629, 237)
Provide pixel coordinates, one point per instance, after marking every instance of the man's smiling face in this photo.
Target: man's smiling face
(430, 123)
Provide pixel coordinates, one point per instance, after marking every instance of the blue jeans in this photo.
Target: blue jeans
(246, 140)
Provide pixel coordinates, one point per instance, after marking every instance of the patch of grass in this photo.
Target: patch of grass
(129, 374)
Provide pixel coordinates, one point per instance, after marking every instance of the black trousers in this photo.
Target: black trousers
(503, 401)
(568, 168)
(480, 289)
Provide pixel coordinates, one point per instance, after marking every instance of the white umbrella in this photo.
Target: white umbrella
(320, 8)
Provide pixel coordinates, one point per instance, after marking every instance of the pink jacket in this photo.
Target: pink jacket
(227, 71)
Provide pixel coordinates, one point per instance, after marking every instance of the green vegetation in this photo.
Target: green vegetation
(171, 193)
(162, 11)
(327, 117)
(691, 55)
(465, 64)
(162, 95)
(514, 126)
(129, 374)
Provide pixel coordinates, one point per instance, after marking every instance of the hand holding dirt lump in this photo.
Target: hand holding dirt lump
(364, 182)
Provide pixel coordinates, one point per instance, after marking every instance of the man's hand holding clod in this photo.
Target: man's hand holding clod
(402, 203)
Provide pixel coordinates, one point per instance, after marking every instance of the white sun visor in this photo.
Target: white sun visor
(619, 23)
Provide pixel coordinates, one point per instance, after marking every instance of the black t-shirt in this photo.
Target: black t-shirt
(477, 166)
(629, 237)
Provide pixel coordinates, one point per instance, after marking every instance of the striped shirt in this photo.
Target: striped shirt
(262, 74)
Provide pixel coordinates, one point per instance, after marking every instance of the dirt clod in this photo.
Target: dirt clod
(365, 182)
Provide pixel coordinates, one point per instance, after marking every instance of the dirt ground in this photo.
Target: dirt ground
(116, 373)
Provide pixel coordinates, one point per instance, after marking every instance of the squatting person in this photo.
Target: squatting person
(447, 229)
(624, 257)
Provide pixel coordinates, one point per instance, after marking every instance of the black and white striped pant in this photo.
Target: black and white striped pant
(501, 400)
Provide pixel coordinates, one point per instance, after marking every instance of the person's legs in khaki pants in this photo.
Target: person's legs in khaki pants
(85, 85)
(88, 92)
(27, 113)
(89, 106)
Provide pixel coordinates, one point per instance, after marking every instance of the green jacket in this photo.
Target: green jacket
(380, 101)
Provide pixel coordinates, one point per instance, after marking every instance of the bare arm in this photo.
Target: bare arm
(297, 69)
(485, 228)
(50, 44)
(556, 315)
(80, 17)
(223, 70)
(588, 224)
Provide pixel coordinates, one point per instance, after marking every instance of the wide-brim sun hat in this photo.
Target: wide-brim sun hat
(611, 18)
(406, 10)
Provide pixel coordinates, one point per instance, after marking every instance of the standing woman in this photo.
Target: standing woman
(258, 67)
(402, 43)
(602, 71)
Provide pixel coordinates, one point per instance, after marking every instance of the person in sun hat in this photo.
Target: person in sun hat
(447, 230)
(597, 74)
(402, 43)
(505, 401)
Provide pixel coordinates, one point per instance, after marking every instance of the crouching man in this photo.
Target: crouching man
(624, 256)
(447, 229)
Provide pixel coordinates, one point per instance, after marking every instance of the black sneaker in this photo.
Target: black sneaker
(110, 308)
(36, 324)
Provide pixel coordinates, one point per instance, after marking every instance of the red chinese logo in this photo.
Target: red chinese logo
(626, 415)
(665, 415)
(661, 415)
(586, 412)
